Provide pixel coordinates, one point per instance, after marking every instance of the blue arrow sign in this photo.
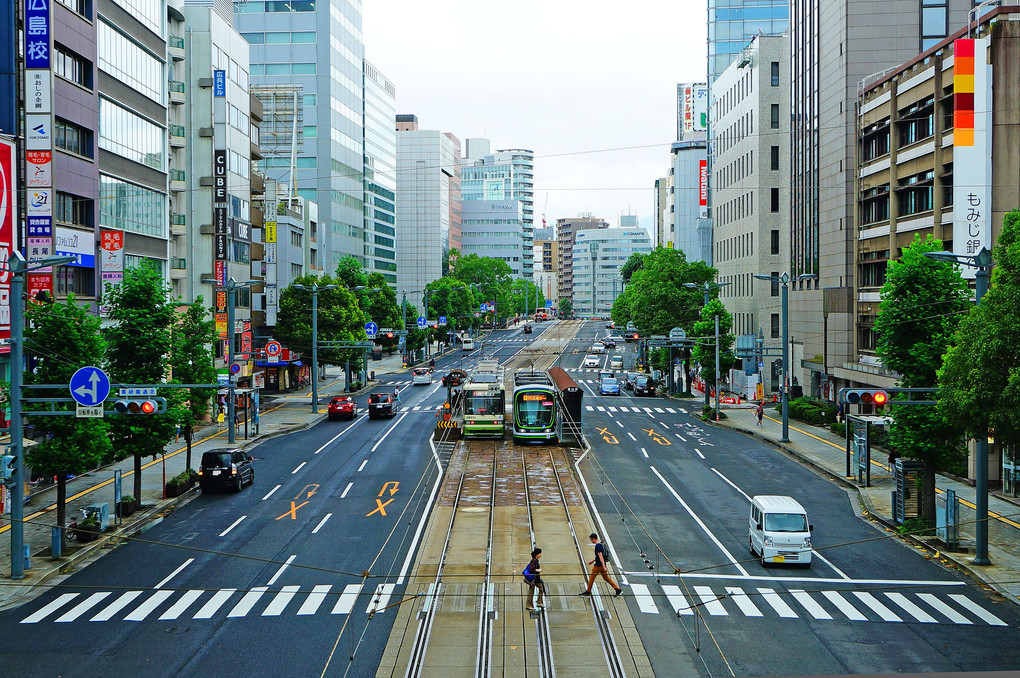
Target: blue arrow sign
(421, 321)
(89, 386)
(371, 329)
(548, 303)
(442, 320)
(483, 306)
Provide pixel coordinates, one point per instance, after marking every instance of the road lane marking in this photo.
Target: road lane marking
(232, 526)
(682, 439)
(878, 608)
(677, 601)
(711, 602)
(181, 605)
(644, 453)
(244, 606)
(271, 493)
(82, 607)
(388, 431)
(620, 424)
(796, 579)
(911, 609)
(644, 599)
(844, 606)
(346, 490)
(380, 599)
(116, 606)
(299, 467)
(631, 436)
(331, 441)
(214, 604)
(314, 599)
(949, 612)
(292, 512)
(699, 453)
(283, 567)
(978, 610)
(279, 602)
(362, 466)
(347, 599)
(173, 574)
(730, 482)
(813, 608)
(321, 523)
(143, 610)
(778, 604)
(704, 527)
(834, 568)
(743, 601)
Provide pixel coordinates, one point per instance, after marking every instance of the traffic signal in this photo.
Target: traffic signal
(139, 406)
(7, 466)
(875, 397)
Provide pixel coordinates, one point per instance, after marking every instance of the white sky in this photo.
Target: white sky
(561, 78)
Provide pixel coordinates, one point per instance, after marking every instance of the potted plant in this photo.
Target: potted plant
(88, 530)
(128, 505)
(181, 483)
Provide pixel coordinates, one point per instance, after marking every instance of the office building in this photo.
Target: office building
(836, 48)
(380, 174)
(661, 212)
(732, 24)
(494, 229)
(750, 179)
(598, 255)
(566, 231)
(690, 229)
(546, 252)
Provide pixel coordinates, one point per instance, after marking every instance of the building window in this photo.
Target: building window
(82, 7)
(295, 271)
(774, 199)
(72, 66)
(775, 241)
(872, 273)
(125, 60)
(131, 136)
(296, 239)
(775, 325)
(775, 74)
(131, 207)
(774, 158)
(72, 138)
(71, 209)
(774, 283)
(78, 280)
(775, 116)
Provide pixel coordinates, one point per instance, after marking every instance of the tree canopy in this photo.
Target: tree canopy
(340, 318)
(656, 300)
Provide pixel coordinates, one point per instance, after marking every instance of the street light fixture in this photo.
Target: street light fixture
(707, 288)
(314, 288)
(982, 261)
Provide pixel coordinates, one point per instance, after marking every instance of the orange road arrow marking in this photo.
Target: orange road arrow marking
(393, 490)
(293, 510)
(380, 507)
(311, 489)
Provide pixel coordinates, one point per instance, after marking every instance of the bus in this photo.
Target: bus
(484, 401)
(534, 408)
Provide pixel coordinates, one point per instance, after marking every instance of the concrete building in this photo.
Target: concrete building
(598, 255)
(750, 194)
(661, 213)
(318, 46)
(546, 251)
(690, 230)
(428, 205)
(836, 47)
(566, 231)
(494, 229)
(380, 174)
(504, 175)
(732, 23)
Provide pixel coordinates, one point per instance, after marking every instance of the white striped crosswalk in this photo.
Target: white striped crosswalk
(626, 408)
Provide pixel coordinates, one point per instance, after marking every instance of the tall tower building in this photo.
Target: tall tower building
(380, 174)
(732, 24)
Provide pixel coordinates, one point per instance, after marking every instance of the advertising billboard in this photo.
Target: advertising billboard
(8, 217)
(692, 109)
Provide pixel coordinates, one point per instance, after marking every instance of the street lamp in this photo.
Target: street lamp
(784, 389)
(982, 261)
(707, 288)
(231, 287)
(17, 267)
(315, 289)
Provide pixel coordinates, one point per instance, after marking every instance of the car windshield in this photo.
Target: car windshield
(786, 522)
(483, 404)
(216, 459)
(609, 382)
(537, 412)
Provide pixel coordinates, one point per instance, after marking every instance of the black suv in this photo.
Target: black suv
(381, 404)
(225, 468)
(644, 385)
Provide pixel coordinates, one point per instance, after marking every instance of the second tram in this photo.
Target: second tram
(534, 408)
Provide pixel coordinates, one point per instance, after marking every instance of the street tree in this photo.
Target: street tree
(922, 302)
(63, 337)
(656, 300)
(340, 318)
(193, 360)
(380, 305)
(139, 344)
(566, 308)
(487, 272)
(452, 298)
(703, 331)
(350, 273)
(515, 298)
(636, 262)
(980, 377)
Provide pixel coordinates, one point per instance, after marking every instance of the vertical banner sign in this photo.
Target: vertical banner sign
(220, 226)
(39, 177)
(111, 252)
(703, 188)
(8, 218)
(220, 175)
(221, 299)
(220, 233)
(972, 149)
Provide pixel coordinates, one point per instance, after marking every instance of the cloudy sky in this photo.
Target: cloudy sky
(590, 86)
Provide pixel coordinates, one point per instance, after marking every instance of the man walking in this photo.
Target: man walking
(533, 578)
(760, 411)
(599, 566)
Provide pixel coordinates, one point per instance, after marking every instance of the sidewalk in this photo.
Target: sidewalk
(280, 414)
(825, 452)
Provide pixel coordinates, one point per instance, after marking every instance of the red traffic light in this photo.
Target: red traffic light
(389, 335)
(880, 397)
(875, 397)
(136, 406)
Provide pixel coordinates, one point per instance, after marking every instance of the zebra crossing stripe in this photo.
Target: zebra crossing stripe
(977, 609)
(380, 599)
(53, 606)
(82, 607)
(949, 612)
(214, 604)
(813, 608)
(913, 610)
(612, 409)
(643, 598)
(743, 601)
(143, 610)
(881, 610)
(589, 408)
(247, 602)
(314, 599)
(844, 606)
(671, 410)
(181, 605)
(600, 408)
(116, 606)
(677, 600)
(347, 599)
(275, 608)
(659, 410)
(777, 603)
(710, 601)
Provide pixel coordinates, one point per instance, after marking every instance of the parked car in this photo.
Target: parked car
(381, 404)
(527, 329)
(342, 407)
(421, 375)
(609, 386)
(222, 468)
(628, 381)
(591, 360)
(644, 385)
(616, 362)
(598, 347)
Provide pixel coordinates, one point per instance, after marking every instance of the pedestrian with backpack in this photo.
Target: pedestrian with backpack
(599, 566)
(533, 578)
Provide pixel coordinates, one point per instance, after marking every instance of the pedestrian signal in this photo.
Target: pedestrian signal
(7, 466)
(141, 406)
(875, 397)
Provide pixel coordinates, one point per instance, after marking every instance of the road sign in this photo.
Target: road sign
(548, 303)
(83, 412)
(137, 392)
(273, 349)
(422, 322)
(761, 365)
(235, 368)
(630, 326)
(677, 333)
(89, 386)
(442, 320)
(478, 315)
(483, 307)
(371, 329)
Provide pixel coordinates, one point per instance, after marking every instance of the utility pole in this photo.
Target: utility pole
(717, 367)
(403, 328)
(231, 286)
(315, 289)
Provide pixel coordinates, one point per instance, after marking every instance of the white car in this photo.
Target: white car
(598, 347)
(591, 360)
(421, 375)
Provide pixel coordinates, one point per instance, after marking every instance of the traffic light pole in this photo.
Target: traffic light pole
(17, 269)
(785, 387)
(231, 298)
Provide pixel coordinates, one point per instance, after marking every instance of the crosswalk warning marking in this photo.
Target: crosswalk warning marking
(743, 601)
(710, 601)
(347, 599)
(116, 606)
(677, 601)
(813, 608)
(777, 603)
(215, 603)
(314, 599)
(643, 598)
(45, 611)
(247, 602)
(612, 409)
(977, 609)
(881, 610)
(280, 600)
(178, 608)
(844, 606)
(143, 610)
(911, 609)
(659, 410)
(944, 609)
(83, 607)
(600, 408)
(589, 408)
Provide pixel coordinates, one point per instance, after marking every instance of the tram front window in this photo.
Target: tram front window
(535, 410)
(483, 405)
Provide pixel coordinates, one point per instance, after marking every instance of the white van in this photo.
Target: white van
(779, 531)
(468, 344)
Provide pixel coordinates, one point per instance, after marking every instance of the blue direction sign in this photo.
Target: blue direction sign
(89, 386)
(371, 329)
(483, 306)
(442, 320)
(421, 321)
(548, 303)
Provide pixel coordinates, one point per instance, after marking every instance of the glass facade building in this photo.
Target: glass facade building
(732, 24)
(380, 174)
